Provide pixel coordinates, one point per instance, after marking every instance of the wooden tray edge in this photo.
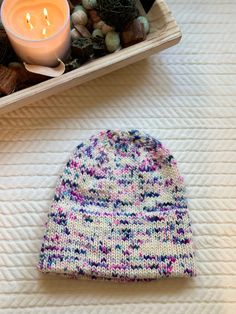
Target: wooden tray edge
(90, 71)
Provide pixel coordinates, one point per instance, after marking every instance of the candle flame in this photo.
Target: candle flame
(44, 32)
(28, 17)
(45, 12)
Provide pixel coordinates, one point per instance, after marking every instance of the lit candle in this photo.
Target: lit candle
(39, 30)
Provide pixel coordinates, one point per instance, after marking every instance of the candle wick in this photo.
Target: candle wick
(45, 12)
(28, 21)
(44, 31)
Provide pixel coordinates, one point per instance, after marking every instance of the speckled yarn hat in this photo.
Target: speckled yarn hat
(119, 211)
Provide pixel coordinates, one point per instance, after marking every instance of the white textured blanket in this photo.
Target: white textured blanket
(186, 97)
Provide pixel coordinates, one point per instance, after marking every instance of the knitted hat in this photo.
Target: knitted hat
(119, 211)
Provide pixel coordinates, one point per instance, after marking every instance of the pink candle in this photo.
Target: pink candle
(39, 30)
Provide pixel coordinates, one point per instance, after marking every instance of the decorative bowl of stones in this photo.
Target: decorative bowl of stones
(105, 35)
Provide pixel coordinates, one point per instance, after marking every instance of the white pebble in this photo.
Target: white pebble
(112, 41)
(144, 21)
(74, 34)
(97, 33)
(79, 8)
(89, 4)
(79, 17)
(98, 25)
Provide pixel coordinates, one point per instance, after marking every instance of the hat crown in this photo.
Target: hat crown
(118, 169)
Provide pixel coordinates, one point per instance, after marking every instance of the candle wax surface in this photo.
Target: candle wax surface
(20, 27)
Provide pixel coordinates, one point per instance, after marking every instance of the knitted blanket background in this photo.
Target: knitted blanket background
(185, 97)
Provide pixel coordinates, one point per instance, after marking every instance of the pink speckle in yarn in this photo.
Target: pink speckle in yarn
(169, 269)
(118, 266)
(172, 259)
(55, 237)
(109, 135)
(140, 241)
(168, 182)
(126, 252)
(72, 216)
(104, 250)
(78, 197)
(74, 164)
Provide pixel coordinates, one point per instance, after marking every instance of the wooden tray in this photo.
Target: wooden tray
(164, 34)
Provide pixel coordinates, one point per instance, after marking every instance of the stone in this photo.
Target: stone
(78, 8)
(112, 41)
(97, 33)
(145, 23)
(107, 28)
(89, 4)
(98, 25)
(79, 18)
(75, 34)
(133, 34)
(83, 31)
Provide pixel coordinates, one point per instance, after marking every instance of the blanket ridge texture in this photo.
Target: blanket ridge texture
(185, 97)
